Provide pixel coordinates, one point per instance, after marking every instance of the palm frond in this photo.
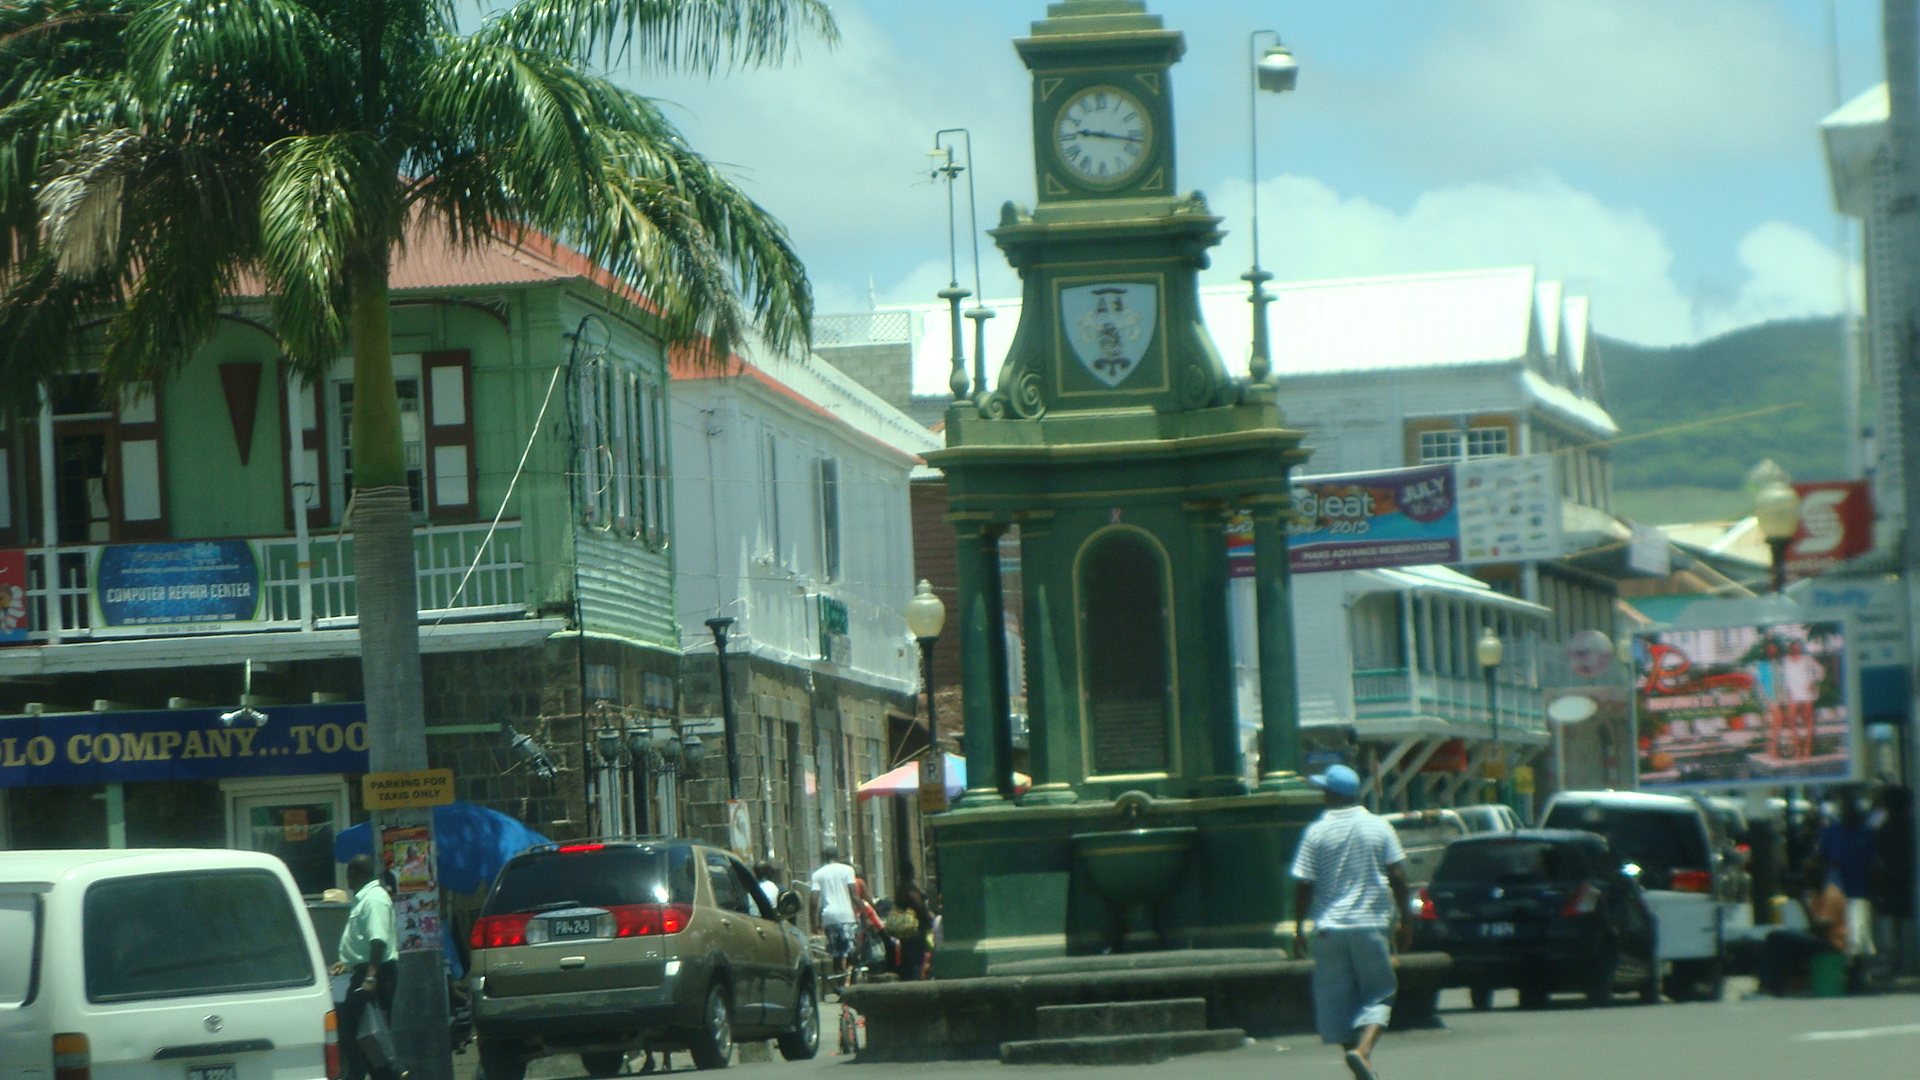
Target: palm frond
(325, 198)
(575, 156)
(694, 35)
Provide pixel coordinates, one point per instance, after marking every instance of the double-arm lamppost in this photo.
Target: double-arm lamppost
(1489, 650)
(1274, 71)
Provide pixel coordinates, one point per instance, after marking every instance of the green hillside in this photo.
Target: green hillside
(1792, 366)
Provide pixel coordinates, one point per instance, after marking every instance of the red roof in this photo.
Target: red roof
(431, 260)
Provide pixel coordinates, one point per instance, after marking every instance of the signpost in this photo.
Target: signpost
(405, 790)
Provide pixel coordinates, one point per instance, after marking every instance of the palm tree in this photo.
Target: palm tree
(154, 154)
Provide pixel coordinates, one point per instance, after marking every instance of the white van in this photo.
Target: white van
(159, 965)
(1690, 884)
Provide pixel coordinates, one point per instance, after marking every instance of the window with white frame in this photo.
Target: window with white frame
(406, 384)
(770, 494)
(1437, 446)
(622, 467)
(829, 475)
(1486, 442)
(1459, 445)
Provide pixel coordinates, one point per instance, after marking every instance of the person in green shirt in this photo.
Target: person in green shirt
(367, 954)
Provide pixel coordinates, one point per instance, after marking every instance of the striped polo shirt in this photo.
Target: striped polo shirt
(1346, 854)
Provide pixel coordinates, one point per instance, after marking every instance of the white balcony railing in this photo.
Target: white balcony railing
(443, 556)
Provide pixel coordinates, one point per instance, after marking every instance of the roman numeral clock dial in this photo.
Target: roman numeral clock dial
(1103, 136)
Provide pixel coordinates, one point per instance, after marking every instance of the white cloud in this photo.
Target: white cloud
(835, 145)
(1619, 85)
(1615, 255)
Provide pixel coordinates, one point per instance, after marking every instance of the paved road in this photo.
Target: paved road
(1869, 1038)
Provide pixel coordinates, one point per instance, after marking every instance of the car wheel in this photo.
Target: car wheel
(501, 1062)
(802, 1042)
(1481, 997)
(712, 1046)
(1533, 997)
(601, 1064)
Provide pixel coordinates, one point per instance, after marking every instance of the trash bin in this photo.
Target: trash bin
(1829, 975)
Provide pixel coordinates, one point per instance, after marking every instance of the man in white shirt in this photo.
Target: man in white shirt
(835, 886)
(1350, 873)
(367, 953)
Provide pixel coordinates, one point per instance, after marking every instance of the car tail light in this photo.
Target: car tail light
(582, 847)
(1582, 902)
(1423, 903)
(640, 920)
(332, 1042)
(1691, 881)
(500, 931)
(72, 1057)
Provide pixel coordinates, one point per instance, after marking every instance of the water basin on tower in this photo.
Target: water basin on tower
(1134, 871)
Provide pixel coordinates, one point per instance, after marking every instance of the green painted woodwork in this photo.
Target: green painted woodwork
(1118, 445)
(514, 336)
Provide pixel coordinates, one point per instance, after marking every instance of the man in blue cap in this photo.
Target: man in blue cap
(1350, 873)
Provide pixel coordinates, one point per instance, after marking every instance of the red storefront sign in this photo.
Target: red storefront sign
(1450, 758)
(1836, 523)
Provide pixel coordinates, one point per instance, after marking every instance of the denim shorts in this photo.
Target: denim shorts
(1353, 982)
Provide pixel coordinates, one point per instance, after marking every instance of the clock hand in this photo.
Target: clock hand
(1107, 135)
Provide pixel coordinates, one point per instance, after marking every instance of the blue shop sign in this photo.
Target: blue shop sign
(199, 581)
(181, 744)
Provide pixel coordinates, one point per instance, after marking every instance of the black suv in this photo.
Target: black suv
(1543, 910)
(608, 947)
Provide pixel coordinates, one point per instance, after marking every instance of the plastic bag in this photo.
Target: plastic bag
(376, 1039)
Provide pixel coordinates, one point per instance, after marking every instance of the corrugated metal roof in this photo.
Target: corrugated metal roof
(429, 259)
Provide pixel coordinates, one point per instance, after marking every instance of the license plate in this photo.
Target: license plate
(564, 928)
(213, 1072)
(1496, 929)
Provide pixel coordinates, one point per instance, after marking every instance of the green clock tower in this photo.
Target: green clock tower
(1118, 448)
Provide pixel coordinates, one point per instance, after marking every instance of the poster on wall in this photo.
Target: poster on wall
(1741, 705)
(13, 596)
(407, 853)
(181, 584)
(1509, 509)
(1359, 521)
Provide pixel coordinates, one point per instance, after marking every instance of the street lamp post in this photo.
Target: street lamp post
(926, 616)
(1777, 508)
(719, 628)
(1488, 650)
(1275, 71)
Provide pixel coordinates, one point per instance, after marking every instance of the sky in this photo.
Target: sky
(1661, 157)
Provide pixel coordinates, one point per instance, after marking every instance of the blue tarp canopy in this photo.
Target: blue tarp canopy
(472, 843)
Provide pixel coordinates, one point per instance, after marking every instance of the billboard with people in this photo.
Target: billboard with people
(1743, 705)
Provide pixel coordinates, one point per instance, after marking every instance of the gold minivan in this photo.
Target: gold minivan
(604, 948)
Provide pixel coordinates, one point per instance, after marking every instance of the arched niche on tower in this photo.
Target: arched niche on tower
(1123, 590)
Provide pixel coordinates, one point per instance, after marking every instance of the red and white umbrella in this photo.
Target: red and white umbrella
(905, 780)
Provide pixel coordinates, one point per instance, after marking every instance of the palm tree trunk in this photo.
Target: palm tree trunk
(390, 645)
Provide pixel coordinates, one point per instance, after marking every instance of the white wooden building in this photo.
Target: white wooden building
(792, 518)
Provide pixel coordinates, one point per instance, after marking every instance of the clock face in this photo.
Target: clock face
(1103, 135)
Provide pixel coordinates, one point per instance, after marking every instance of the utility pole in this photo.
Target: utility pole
(1900, 22)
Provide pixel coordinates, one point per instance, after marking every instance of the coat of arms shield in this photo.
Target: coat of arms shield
(1109, 326)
